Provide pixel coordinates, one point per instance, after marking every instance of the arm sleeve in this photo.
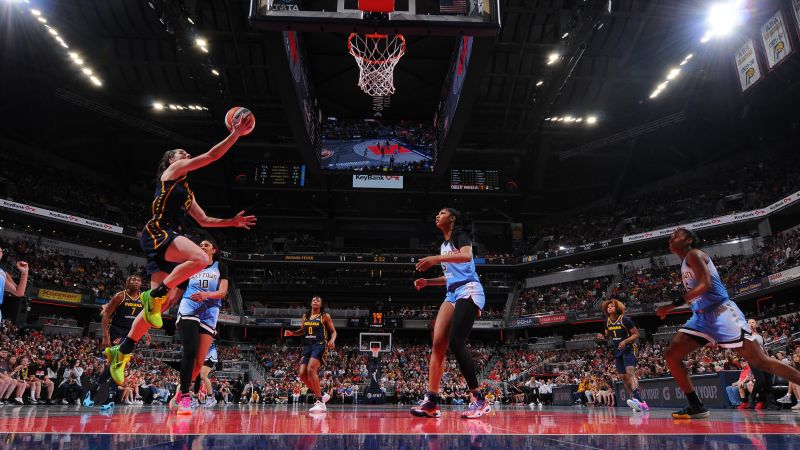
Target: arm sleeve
(462, 239)
(224, 272)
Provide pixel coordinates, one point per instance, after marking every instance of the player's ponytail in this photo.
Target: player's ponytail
(164, 163)
(697, 241)
(462, 223)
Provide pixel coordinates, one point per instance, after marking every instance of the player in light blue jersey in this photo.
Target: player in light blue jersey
(197, 321)
(7, 283)
(715, 320)
(464, 300)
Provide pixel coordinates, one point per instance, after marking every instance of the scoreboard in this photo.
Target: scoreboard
(474, 180)
(279, 175)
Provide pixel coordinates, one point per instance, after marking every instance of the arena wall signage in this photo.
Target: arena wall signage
(665, 392)
(378, 181)
(37, 211)
(60, 296)
(716, 221)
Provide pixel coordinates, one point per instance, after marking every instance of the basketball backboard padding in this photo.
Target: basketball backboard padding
(376, 6)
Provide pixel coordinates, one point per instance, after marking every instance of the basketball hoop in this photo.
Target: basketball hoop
(375, 349)
(376, 56)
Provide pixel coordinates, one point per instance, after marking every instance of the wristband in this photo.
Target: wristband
(678, 302)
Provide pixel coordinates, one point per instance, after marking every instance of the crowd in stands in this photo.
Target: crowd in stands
(557, 298)
(55, 269)
(650, 285)
(404, 371)
(780, 252)
(40, 369)
(734, 189)
(36, 182)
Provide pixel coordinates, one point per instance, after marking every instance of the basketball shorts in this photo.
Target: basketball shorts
(203, 312)
(316, 350)
(155, 247)
(625, 358)
(211, 358)
(472, 290)
(723, 325)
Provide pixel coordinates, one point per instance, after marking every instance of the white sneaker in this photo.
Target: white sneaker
(796, 407)
(326, 398)
(318, 407)
(634, 404)
(210, 402)
(785, 399)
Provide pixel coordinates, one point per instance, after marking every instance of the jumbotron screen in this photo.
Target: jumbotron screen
(474, 180)
(377, 146)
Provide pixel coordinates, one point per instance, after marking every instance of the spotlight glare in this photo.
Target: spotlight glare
(553, 57)
(63, 44)
(41, 19)
(87, 71)
(78, 61)
(579, 119)
(724, 17)
(189, 19)
(158, 105)
(215, 72)
(96, 81)
(673, 73)
(683, 63)
(36, 12)
(663, 85)
(205, 50)
(173, 107)
(539, 83)
(200, 42)
(689, 56)
(564, 36)
(52, 31)
(655, 93)
(591, 120)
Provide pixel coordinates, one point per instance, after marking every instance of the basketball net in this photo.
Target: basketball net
(375, 351)
(376, 56)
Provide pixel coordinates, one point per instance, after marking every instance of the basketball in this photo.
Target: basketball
(237, 114)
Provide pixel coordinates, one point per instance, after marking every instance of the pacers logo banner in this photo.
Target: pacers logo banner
(47, 294)
(776, 42)
(747, 65)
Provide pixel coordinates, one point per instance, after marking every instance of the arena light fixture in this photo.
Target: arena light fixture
(564, 36)
(215, 72)
(189, 19)
(158, 106)
(673, 73)
(552, 58)
(73, 55)
(724, 17)
(591, 120)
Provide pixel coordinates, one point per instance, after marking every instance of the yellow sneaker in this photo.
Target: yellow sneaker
(116, 364)
(152, 309)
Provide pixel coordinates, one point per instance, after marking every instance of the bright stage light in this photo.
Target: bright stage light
(724, 17)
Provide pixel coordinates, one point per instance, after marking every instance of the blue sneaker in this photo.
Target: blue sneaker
(87, 400)
(107, 409)
(476, 409)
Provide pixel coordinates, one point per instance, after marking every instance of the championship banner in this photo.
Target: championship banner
(47, 294)
(747, 65)
(35, 210)
(796, 11)
(777, 45)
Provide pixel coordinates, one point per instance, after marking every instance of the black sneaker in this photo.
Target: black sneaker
(691, 412)
(426, 408)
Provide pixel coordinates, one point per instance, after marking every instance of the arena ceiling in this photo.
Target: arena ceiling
(612, 55)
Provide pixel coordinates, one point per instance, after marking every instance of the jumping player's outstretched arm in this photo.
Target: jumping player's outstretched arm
(239, 220)
(184, 166)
